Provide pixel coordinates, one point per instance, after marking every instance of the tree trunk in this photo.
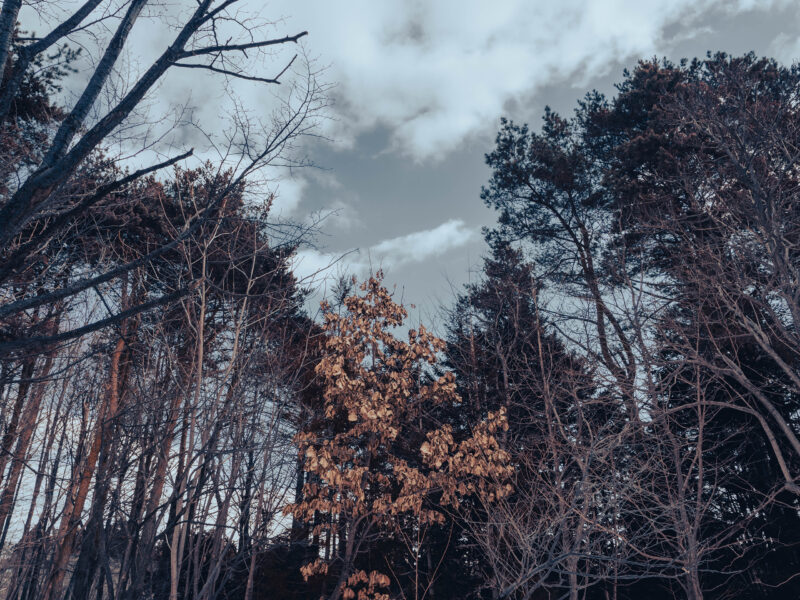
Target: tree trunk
(13, 423)
(87, 566)
(79, 488)
(28, 425)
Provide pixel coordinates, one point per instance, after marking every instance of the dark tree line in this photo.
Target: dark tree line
(638, 312)
(153, 345)
(612, 413)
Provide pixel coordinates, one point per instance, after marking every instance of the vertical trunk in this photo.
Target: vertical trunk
(8, 21)
(341, 532)
(28, 425)
(175, 552)
(246, 503)
(215, 559)
(29, 540)
(573, 578)
(183, 531)
(197, 539)
(299, 528)
(248, 591)
(347, 559)
(430, 589)
(693, 589)
(50, 437)
(141, 553)
(3, 380)
(178, 537)
(133, 519)
(327, 539)
(14, 497)
(258, 526)
(13, 423)
(86, 568)
(29, 585)
(79, 488)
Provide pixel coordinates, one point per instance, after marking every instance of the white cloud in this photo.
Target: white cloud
(311, 264)
(432, 73)
(288, 195)
(340, 216)
(437, 72)
(786, 48)
(418, 246)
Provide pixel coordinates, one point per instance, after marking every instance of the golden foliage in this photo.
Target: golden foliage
(364, 586)
(377, 393)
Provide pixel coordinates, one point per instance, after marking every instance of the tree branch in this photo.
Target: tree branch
(276, 79)
(242, 47)
(38, 342)
(63, 219)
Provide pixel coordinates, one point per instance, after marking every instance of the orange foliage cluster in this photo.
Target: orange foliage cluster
(383, 460)
(368, 583)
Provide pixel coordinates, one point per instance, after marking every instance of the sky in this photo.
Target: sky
(417, 93)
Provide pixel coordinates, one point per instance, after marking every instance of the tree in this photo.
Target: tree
(179, 427)
(383, 467)
(545, 187)
(47, 197)
(661, 226)
(722, 221)
(152, 338)
(566, 436)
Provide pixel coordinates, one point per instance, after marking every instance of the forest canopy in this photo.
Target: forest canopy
(611, 410)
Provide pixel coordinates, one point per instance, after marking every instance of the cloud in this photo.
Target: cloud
(435, 73)
(313, 265)
(786, 48)
(341, 216)
(288, 195)
(418, 246)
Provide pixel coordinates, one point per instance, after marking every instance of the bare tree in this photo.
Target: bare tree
(47, 198)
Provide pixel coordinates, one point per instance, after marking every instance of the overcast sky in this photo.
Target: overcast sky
(419, 91)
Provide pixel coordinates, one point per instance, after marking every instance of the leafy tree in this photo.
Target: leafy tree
(384, 468)
(661, 223)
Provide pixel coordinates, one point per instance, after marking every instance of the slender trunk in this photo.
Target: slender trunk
(28, 423)
(248, 591)
(29, 541)
(86, 567)
(183, 531)
(8, 21)
(178, 526)
(347, 564)
(299, 528)
(11, 430)
(215, 559)
(143, 552)
(134, 517)
(29, 585)
(79, 489)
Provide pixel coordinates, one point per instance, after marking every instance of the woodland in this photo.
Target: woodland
(611, 411)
